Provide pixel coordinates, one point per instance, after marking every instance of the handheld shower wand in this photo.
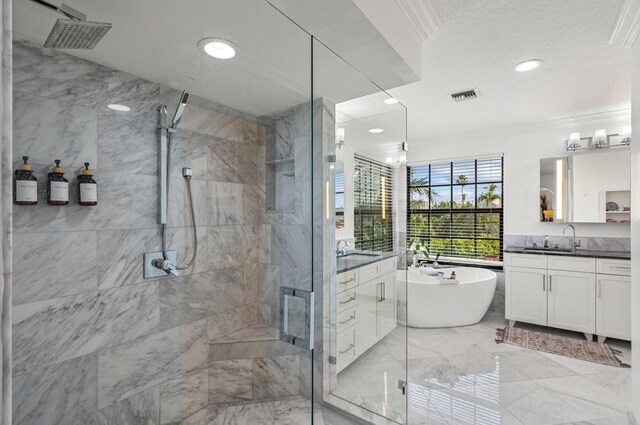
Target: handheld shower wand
(165, 136)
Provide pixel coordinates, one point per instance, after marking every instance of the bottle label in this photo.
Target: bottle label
(26, 191)
(59, 191)
(88, 192)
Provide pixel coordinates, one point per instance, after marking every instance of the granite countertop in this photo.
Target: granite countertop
(355, 259)
(618, 255)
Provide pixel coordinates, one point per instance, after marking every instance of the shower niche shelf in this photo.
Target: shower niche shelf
(280, 185)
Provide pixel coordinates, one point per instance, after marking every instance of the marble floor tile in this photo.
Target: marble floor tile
(535, 405)
(534, 365)
(616, 381)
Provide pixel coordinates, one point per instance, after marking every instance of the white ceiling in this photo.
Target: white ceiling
(479, 42)
(157, 40)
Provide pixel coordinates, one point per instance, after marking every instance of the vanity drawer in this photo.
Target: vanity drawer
(573, 264)
(617, 267)
(347, 318)
(347, 299)
(346, 280)
(345, 348)
(368, 272)
(533, 261)
(387, 266)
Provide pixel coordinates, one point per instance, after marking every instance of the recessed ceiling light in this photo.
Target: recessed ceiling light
(391, 101)
(375, 130)
(528, 65)
(118, 107)
(218, 48)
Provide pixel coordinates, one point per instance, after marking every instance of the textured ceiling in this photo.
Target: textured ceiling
(480, 41)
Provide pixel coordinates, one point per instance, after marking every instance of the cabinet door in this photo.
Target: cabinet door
(526, 295)
(613, 306)
(387, 306)
(367, 326)
(572, 301)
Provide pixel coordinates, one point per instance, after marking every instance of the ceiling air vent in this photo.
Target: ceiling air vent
(464, 95)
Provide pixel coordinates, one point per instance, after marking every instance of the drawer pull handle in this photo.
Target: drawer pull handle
(621, 267)
(550, 283)
(352, 317)
(353, 279)
(348, 349)
(348, 301)
(544, 285)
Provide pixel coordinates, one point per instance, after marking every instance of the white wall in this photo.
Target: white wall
(522, 149)
(635, 231)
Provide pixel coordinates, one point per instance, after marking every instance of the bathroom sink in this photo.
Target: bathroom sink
(548, 250)
(359, 256)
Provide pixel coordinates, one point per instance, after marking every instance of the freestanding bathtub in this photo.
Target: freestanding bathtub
(433, 304)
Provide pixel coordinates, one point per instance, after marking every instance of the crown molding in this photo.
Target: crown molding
(627, 25)
(421, 15)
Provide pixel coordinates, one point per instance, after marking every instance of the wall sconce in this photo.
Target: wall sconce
(573, 142)
(340, 137)
(600, 139)
(626, 135)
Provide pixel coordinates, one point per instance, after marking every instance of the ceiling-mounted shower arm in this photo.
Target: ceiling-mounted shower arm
(63, 9)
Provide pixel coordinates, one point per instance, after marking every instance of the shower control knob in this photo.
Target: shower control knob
(164, 265)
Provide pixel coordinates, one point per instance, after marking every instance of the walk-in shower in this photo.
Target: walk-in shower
(165, 137)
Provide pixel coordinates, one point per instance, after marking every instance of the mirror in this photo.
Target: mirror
(590, 187)
(339, 187)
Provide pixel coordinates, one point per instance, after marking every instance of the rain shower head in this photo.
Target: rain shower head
(180, 109)
(75, 32)
(72, 34)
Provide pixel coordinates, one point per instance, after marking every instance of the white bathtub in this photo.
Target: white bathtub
(432, 304)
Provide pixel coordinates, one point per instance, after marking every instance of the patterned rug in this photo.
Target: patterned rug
(569, 347)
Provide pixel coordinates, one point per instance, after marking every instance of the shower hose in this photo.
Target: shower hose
(193, 213)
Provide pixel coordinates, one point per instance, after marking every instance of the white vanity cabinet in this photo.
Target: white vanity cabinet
(581, 294)
(613, 299)
(366, 309)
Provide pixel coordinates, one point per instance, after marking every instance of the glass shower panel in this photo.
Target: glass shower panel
(228, 339)
(365, 338)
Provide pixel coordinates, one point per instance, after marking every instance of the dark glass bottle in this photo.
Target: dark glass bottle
(57, 186)
(25, 185)
(87, 187)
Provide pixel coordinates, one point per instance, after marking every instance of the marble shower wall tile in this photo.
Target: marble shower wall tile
(52, 331)
(231, 246)
(57, 394)
(179, 213)
(129, 368)
(39, 121)
(276, 377)
(222, 164)
(140, 409)
(126, 144)
(222, 324)
(53, 265)
(186, 299)
(224, 203)
(184, 395)
(230, 381)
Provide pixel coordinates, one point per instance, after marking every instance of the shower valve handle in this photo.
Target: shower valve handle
(165, 266)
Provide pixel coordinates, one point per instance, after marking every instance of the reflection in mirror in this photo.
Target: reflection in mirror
(593, 187)
(339, 193)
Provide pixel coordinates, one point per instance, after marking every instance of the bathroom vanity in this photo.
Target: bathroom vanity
(365, 303)
(584, 291)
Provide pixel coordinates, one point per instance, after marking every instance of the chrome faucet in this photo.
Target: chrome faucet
(575, 245)
(341, 248)
(165, 266)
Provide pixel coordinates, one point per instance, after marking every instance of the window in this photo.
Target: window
(373, 214)
(339, 199)
(456, 208)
